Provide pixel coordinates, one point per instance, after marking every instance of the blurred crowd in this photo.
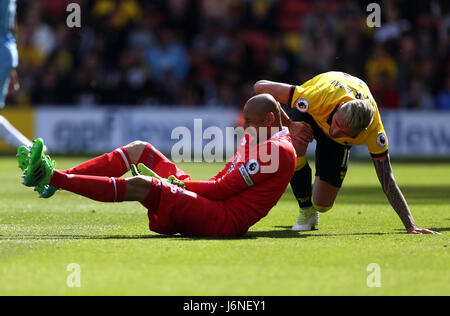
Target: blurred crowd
(211, 52)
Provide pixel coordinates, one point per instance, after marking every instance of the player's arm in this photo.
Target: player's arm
(14, 84)
(280, 91)
(240, 178)
(230, 184)
(222, 172)
(395, 196)
(301, 132)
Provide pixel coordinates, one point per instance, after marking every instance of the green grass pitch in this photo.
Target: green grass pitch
(118, 255)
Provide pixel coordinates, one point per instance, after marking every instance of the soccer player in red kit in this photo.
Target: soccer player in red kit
(228, 204)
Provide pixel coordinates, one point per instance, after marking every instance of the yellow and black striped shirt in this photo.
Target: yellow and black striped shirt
(321, 96)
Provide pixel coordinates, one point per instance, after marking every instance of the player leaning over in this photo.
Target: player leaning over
(339, 111)
(225, 205)
(8, 75)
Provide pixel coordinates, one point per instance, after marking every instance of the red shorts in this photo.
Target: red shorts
(173, 210)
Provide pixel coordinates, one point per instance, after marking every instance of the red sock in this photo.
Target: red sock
(102, 189)
(154, 196)
(149, 157)
(114, 164)
(160, 164)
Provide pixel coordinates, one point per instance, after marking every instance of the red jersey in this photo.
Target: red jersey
(254, 180)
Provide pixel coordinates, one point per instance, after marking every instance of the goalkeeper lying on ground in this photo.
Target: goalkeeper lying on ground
(225, 205)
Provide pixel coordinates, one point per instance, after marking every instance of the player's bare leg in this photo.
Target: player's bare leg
(137, 188)
(324, 195)
(135, 150)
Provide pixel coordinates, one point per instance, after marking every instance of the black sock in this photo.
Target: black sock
(301, 184)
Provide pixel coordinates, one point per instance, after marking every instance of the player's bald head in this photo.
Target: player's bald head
(263, 104)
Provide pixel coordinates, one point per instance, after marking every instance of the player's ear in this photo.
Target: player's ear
(270, 119)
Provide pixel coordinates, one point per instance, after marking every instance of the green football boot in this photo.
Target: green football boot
(40, 168)
(23, 152)
(23, 155)
(45, 191)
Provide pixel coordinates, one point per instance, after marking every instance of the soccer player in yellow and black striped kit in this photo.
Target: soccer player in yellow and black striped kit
(339, 111)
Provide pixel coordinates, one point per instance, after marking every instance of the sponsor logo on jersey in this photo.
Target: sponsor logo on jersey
(252, 166)
(381, 140)
(302, 105)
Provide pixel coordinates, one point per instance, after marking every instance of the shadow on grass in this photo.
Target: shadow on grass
(114, 237)
(436, 229)
(282, 232)
(309, 234)
(418, 195)
(79, 237)
(441, 229)
(285, 233)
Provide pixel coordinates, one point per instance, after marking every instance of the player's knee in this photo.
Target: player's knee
(141, 181)
(138, 188)
(135, 150)
(137, 145)
(322, 208)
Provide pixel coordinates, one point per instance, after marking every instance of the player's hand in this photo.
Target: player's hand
(302, 135)
(420, 231)
(302, 132)
(14, 84)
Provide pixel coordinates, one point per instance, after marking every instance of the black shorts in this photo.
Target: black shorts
(331, 157)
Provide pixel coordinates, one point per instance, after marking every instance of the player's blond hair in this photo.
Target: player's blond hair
(358, 114)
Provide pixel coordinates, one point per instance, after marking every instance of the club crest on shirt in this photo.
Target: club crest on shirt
(302, 105)
(252, 167)
(381, 140)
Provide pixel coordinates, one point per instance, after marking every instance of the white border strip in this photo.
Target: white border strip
(115, 189)
(124, 158)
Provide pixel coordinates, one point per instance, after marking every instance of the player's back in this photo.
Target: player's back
(326, 83)
(252, 182)
(260, 197)
(321, 96)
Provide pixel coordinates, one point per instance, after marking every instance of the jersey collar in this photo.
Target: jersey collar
(283, 132)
